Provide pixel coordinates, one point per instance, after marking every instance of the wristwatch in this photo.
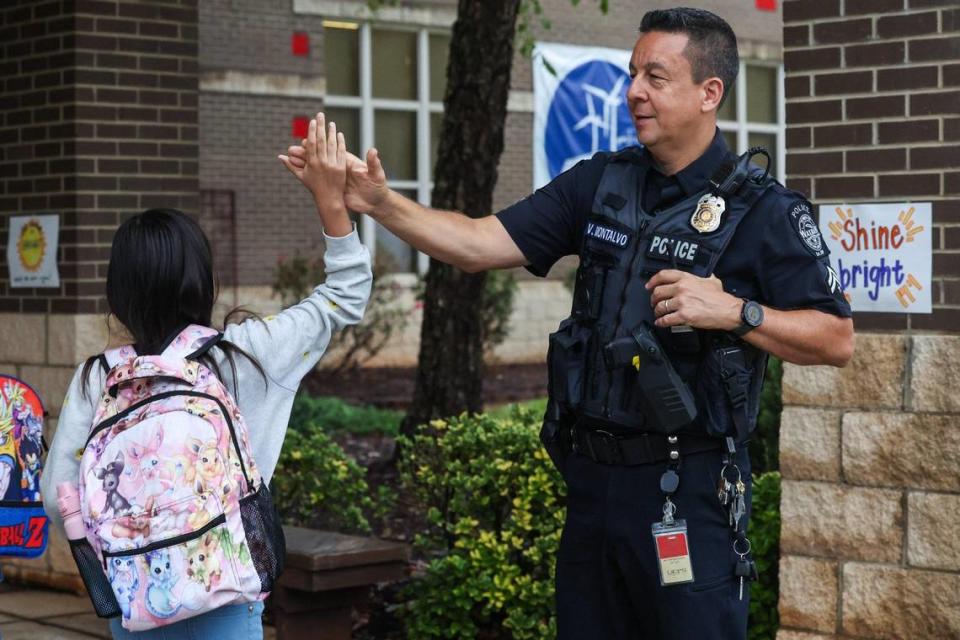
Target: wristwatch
(751, 316)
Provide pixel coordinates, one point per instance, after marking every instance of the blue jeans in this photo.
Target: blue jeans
(236, 622)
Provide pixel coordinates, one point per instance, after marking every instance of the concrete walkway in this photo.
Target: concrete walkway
(35, 614)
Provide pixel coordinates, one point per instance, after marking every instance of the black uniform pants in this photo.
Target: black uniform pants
(608, 583)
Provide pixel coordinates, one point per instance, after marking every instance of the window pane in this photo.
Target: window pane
(769, 142)
(348, 122)
(728, 110)
(342, 61)
(761, 94)
(436, 120)
(395, 135)
(731, 138)
(439, 50)
(395, 64)
(393, 254)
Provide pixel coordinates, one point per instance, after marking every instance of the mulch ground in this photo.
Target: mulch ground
(392, 388)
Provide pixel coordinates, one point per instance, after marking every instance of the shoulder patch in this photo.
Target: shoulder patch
(801, 217)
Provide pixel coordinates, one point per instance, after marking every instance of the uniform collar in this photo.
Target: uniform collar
(695, 176)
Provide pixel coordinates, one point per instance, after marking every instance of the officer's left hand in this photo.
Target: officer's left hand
(681, 298)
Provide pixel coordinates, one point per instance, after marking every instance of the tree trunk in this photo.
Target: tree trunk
(450, 366)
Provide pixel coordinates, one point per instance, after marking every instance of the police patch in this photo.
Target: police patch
(674, 249)
(607, 234)
(807, 229)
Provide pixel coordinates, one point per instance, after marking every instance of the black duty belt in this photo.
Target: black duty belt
(629, 450)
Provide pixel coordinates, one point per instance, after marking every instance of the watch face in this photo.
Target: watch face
(753, 314)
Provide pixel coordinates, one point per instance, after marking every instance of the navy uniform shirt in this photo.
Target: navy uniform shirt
(776, 256)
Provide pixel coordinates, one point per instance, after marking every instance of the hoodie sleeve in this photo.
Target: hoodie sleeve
(290, 344)
(73, 426)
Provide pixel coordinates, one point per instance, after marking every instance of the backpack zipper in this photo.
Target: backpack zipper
(169, 542)
(167, 394)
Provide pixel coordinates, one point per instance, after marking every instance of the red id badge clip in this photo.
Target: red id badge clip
(673, 552)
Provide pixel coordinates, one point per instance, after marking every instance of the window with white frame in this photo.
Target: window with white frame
(385, 87)
(753, 114)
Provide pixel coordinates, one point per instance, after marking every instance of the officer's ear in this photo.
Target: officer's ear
(712, 92)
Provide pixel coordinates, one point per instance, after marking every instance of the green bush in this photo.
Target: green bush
(317, 485)
(495, 508)
(334, 415)
(765, 539)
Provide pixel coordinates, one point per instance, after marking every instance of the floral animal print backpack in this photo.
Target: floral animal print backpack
(23, 524)
(170, 495)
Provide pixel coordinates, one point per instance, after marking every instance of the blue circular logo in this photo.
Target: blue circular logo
(588, 113)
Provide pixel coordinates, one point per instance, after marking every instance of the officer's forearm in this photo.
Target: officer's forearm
(804, 336)
(470, 244)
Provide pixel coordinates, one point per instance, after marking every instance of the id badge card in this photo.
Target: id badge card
(673, 552)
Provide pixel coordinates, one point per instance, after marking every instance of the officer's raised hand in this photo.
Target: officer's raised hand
(681, 298)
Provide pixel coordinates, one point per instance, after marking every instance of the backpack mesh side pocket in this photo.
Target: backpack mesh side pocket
(261, 524)
(94, 579)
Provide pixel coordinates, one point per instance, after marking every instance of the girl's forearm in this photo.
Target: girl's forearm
(334, 217)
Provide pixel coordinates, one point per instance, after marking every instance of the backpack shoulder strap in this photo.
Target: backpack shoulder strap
(111, 358)
(191, 342)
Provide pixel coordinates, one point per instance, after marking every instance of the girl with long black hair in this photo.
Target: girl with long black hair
(161, 279)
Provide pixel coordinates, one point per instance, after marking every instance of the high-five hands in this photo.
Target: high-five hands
(366, 186)
(322, 168)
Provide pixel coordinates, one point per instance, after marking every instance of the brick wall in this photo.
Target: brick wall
(873, 115)
(98, 120)
(869, 454)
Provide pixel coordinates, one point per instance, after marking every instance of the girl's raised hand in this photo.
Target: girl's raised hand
(323, 166)
(323, 170)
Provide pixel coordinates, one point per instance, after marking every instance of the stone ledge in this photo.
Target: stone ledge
(809, 444)
(933, 520)
(882, 601)
(874, 379)
(919, 451)
(808, 593)
(840, 521)
(935, 362)
(789, 634)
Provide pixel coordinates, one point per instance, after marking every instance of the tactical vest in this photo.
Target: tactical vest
(610, 367)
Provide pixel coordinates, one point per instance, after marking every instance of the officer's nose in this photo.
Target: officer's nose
(636, 91)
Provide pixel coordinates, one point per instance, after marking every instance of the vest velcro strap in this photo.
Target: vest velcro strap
(631, 450)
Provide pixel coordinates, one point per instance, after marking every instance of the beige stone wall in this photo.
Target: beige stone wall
(870, 457)
(44, 350)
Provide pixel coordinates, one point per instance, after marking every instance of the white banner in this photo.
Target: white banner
(32, 251)
(883, 254)
(580, 106)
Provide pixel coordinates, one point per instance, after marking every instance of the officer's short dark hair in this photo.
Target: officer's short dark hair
(712, 45)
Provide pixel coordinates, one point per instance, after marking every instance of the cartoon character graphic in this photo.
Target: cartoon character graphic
(7, 472)
(160, 601)
(147, 465)
(240, 552)
(209, 465)
(125, 581)
(203, 560)
(135, 526)
(30, 477)
(110, 475)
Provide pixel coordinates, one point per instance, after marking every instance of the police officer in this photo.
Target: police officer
(694, 265)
